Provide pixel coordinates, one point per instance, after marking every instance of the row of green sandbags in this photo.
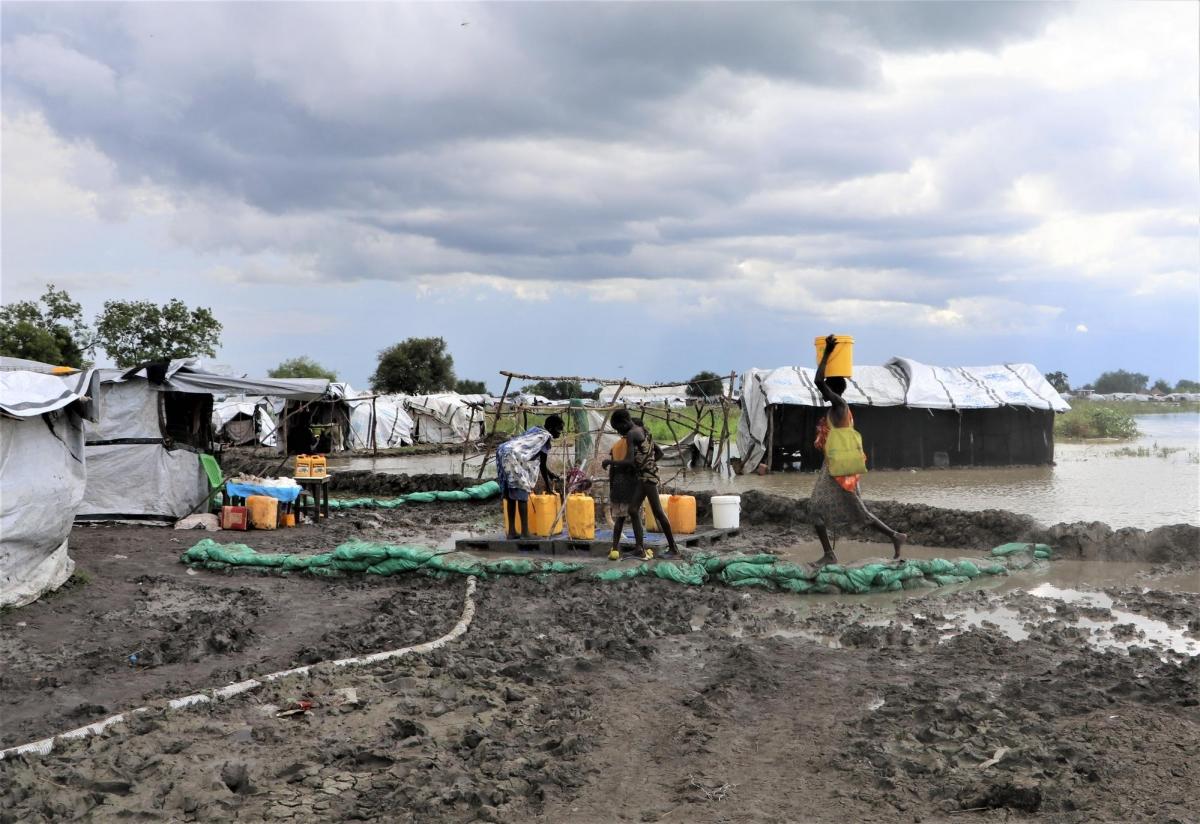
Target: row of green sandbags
(765, 571)
(481, 492)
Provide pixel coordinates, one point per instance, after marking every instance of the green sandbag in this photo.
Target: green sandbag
(787, 571)
(360, 551)
(796, 585)
(393, 566)
(1004, 550)
(459, 566)
(681, 572)
(561, 567)
(966, 569)
(621, 573)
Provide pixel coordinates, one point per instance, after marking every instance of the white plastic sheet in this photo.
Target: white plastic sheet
(444, 418)
(392, 424)
(142, 481)
(42, 479)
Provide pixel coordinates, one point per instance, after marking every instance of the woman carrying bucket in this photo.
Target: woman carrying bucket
(836, 500)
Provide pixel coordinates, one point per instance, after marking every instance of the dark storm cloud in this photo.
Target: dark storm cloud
(217, 113)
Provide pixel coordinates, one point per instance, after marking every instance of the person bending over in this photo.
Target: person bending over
(520, 462)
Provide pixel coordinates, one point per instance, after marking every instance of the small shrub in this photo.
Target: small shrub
(1096, 422)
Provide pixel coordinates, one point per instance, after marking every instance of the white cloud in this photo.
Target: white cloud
(1081, 327)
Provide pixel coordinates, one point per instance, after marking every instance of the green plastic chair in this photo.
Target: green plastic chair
(216, 479)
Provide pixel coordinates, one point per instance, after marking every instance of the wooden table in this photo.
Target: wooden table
(319, 489)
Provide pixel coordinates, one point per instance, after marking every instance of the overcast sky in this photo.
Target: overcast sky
(619, 189)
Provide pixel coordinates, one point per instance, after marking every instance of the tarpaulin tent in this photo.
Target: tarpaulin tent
(447, 417)
(243, 421)
(42, 475)
(143, 453)
(909, 413)
(674, 396)
(379, 421)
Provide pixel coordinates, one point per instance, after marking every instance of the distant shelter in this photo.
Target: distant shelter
(910, 415)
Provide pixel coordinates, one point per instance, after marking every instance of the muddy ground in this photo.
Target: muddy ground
(571, 700)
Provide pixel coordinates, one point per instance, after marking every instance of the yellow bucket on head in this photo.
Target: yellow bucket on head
(841, 362)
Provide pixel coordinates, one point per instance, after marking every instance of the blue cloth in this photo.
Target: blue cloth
(287, 494)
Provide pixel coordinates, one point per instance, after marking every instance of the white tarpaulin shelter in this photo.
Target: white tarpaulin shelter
(673, 396)
(447, 417)
(42, 477)
(977, 387)
(902, 382)
(244, 420)
(384, 415)
(143, 453)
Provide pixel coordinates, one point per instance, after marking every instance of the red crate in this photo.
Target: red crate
(234, 517)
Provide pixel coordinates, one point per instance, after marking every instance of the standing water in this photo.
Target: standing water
(1147, 482)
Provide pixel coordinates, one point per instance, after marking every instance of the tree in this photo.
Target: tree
(50, 330)
(466, 387)
(415, 366)
(1187, 386)
(1059, 381)
(705, 385)
(1121, 381)
(559, 390)
(138, 331)
(1161, 386)
(302, 367)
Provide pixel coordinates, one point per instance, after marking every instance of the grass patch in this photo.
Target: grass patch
(1155, 451)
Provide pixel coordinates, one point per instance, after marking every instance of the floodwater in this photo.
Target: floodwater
(1090, 482)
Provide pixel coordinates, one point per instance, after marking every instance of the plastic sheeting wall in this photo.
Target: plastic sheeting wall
(142, 481)
(393, 426)
(41, 465)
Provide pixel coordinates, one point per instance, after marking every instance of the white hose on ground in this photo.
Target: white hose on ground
(45, 745)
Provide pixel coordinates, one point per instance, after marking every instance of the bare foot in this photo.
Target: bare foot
(898, 539)
(826, 559)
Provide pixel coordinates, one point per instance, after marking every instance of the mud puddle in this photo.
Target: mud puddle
(1101, 624)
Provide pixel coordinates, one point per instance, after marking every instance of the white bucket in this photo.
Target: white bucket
(726, 511)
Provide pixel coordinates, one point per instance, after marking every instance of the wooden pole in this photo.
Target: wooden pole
(671, 429)
(374, 426)
(607, 417)
(495, 425)
(770, 437)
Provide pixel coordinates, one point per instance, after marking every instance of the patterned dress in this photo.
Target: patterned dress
(835, 502)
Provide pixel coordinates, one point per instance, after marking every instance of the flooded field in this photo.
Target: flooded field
(1149, 482)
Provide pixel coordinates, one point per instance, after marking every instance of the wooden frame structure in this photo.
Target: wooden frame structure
(647, 410)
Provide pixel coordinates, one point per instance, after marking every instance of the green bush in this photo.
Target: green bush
(1086, 421)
